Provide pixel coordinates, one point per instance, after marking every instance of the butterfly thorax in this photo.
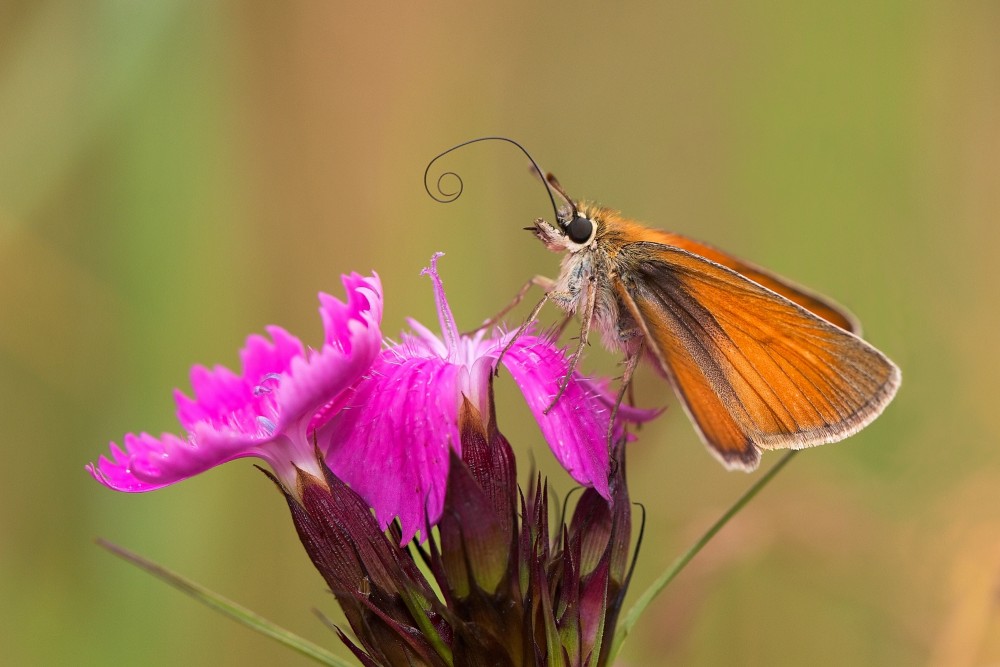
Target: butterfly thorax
(592, 268)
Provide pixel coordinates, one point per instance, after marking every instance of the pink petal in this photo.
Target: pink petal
(232, 402)
(425, 342)
(391, 442)
(217, 391)
(262, 357)
(577, 427)
(321, 379)
(626, 412)
(364, 303)
(265, 411)
(151, 463)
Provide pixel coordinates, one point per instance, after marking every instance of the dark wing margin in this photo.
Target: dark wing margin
(753, 369)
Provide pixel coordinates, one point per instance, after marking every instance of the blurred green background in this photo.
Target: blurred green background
(176, 175)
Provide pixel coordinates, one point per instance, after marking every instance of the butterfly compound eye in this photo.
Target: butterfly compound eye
(579, 229)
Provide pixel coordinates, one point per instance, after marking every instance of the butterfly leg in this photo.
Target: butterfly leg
(521, 329)
(574, 360)
(631, 362)
(562, 326)
(538, 281)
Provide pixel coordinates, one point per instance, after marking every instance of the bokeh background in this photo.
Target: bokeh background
(176, 175)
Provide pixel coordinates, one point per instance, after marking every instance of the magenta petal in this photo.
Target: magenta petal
(217, 392)
(232, 402)
(391, 441)
(364, 303)
(150, 463)
(262, 357)
(266, 410)
(424, 340)
(626, 413)
(577, 427)
(320, 379)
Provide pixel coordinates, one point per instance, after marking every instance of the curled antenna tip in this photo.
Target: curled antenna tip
(445, 196)
(439, 194)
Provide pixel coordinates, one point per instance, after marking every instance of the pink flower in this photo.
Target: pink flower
(391, 442)
(383, 422)
(271, 410)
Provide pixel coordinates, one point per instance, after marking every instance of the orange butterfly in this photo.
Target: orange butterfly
(758, 362)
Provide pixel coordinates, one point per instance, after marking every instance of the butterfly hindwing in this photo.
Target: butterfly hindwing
(754, 369)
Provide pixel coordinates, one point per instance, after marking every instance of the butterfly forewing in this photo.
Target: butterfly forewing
(754, 369)
(816, 304)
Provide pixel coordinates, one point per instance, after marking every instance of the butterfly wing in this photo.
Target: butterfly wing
(814, 303)
(754, 369)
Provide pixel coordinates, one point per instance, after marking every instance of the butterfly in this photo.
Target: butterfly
(758, 362)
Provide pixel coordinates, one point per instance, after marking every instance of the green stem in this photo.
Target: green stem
(681, 561)
(231, 609)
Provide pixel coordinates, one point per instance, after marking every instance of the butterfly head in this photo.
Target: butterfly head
(575, 227)
(571, 233)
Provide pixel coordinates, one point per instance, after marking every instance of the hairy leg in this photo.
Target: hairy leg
(538, 281)
(588, 317)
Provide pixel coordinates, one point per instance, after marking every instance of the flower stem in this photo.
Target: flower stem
(229, 608)
(681, 561)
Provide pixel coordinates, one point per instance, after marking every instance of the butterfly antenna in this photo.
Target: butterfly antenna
(556, 186)
(446, 197)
